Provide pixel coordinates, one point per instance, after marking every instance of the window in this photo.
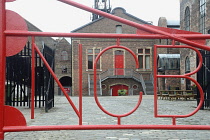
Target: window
(144, 58)
(64, 55)
(64, 69)
(187, 19)
(92, 54)
(169, 61)
(187, 65)
(202, 16)
(119, 29)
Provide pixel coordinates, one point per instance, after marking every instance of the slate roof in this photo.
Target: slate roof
(113, 12)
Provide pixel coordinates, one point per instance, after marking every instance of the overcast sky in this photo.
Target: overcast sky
(55, 16)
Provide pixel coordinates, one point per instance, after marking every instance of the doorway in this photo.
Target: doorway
(119, 62)
(115, 89)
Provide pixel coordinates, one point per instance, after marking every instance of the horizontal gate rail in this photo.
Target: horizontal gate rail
(104, 127)
(20, 125)
(108, 35)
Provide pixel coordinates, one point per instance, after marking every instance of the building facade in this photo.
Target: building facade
(116, 67)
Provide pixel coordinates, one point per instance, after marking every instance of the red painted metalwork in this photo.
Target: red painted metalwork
(95, 81)
(134, 24)
(80, 84)
(177, 76)
(15, 22)
(32, 76)
(13, 117)
(107, 35)
(57, 81)
(2, 65)
(155, 33)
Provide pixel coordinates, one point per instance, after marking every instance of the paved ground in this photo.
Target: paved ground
(62, 114)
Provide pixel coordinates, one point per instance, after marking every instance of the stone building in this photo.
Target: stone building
(63, 65)
(195, 17)
(116, 68)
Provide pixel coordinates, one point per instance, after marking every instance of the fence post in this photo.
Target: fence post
(2, 64)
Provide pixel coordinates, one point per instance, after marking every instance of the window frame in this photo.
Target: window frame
(94, 55)
(144, 56)
(64, 55)
(202, 16)
(187, 19)
(187, 64)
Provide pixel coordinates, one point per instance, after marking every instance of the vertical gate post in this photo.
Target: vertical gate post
(2, 64)
(32, 77)
(80, 84)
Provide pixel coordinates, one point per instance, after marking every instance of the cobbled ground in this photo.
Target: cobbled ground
(63, 114)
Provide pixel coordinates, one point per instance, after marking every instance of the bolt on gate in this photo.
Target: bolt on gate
(15, 32)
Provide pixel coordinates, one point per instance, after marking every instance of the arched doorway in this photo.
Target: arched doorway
(66, 82)
(116, 88)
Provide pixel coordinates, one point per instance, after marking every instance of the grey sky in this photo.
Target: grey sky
(54, 16)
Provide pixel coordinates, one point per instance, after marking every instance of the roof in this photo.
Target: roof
(169, 56)
(173, 22)
(113, 12)
(50, 42)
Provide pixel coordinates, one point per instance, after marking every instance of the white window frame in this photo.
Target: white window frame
(144, 56)
(94, 54)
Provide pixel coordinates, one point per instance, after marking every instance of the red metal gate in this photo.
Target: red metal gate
(9, 123)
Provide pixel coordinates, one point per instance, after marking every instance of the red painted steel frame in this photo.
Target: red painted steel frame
(183, 38)
(2, 64)
(32, 76)
(134, 24)
(187, 76)
(95, 81)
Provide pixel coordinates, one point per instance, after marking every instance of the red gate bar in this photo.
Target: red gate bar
(177, 76)
(104, 35)
(32, 76)
(133, 24)
(183, 38)
(57, 81)
(95, 82)
(2, 64)
(80, 83)
(104, 127)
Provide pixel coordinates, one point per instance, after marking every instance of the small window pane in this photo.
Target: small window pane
(90, 51)
(147, 51)
(90, 62)
(140, 50)
(140, 58)
(119, 29)
(147, 62)
(98, 63)
(64, 55)
(97, 50)
(119, 52)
